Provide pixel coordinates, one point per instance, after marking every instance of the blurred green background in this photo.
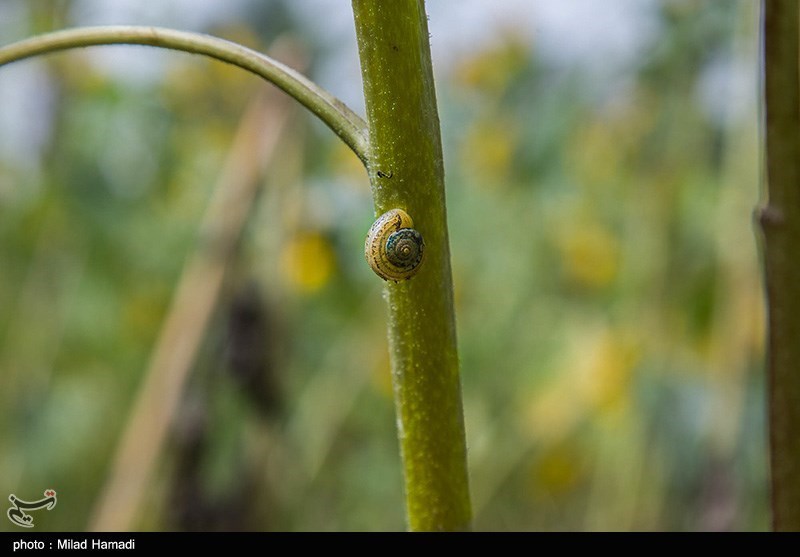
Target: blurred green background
(602, 166)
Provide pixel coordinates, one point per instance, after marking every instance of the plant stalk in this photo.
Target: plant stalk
(780, 225)
(406, 171)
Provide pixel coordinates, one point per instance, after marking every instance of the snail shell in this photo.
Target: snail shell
(394, 250)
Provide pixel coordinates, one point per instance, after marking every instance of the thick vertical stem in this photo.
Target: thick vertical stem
(780, 223)
(405, 167)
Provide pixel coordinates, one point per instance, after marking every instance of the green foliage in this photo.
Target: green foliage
(606, 287)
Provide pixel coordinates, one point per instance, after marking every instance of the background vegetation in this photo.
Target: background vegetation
(608, 296)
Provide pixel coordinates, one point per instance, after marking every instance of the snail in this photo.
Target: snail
(394, 250)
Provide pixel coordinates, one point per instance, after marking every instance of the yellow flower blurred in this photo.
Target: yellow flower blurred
(557, 471)
(607, 370)
(593, 382)
(488, 150)
(600, 150)
(554, 412)
(308, 262)
(595, 154)
(590, 254)
(492, 69)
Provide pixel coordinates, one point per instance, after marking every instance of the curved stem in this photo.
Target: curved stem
(336, 115)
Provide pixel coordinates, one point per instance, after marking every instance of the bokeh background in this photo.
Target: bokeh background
(602, 164)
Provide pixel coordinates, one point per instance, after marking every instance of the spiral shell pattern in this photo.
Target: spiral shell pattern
(394, 250)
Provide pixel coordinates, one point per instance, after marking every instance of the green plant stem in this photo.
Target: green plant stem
(343, 121)
(405, 168)
(780, 224)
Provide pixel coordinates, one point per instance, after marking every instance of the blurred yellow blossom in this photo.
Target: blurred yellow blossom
(554, 411)
(492, 69)
(557, 471)
(594, 381)
(488, 150)
(308, 262)
(605, 370)
(590, 254)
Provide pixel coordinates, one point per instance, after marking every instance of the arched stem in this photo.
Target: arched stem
(344, 122)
